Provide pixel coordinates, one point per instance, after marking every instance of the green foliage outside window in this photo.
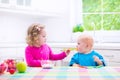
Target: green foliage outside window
(101, 14)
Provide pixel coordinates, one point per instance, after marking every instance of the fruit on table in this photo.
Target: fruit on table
(11, 63)
(11, 66)
(12, 71)
(21, 67)
(2, 67)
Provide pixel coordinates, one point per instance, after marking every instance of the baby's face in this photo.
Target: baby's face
(81, 46)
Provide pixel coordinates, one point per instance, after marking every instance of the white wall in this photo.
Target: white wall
(58, 30)
(13, 26)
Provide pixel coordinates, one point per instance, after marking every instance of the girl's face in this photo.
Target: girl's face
(42, 38)
(81, 46)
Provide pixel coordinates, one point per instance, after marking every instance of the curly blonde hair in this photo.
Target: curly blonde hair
(33, 33)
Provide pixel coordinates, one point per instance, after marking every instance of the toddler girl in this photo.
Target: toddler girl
(37, 48)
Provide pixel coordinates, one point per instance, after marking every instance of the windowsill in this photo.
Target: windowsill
(100, 36)
(111, 46)
(115, 46)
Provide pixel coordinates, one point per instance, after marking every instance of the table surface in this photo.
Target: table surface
(65, 73)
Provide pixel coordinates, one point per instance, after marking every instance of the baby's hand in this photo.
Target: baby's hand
(76, 65)
(96, 59)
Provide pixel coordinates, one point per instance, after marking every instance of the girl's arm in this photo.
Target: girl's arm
(56, 56)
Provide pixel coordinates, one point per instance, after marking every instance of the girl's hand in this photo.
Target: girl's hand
(67, 52)
(96, 59)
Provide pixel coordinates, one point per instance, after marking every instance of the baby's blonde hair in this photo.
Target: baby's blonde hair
(33, 33)
(87, 39)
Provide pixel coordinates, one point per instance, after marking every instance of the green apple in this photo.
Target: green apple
(21, 67)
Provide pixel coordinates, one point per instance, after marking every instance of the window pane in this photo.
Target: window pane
(111, 22)
(92, 21)
(91, 5)
(4, 1)
(111, 5)
(20, 2)
(27, 2)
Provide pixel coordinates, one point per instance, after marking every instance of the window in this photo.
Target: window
(15, 2)
(5, 1)
(101, 14)
(24, 2)
(101, 18)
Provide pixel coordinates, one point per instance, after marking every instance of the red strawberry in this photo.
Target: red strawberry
(12, 71)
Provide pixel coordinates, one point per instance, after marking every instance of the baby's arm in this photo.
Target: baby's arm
(73, 61)
(78, 65)
(75, 65)
(96, 59)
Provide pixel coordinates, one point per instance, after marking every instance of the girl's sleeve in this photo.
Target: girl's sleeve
(29, 59)
(56, 56)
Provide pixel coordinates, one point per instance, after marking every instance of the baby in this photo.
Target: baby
(85, 55)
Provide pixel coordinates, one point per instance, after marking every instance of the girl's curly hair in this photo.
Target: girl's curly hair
(33, 33)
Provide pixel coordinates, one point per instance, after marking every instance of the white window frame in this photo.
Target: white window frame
(100, 36)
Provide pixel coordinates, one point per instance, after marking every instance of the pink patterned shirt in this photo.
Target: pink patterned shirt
(34, 54)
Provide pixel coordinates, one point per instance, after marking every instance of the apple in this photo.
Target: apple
(2, 68)
(21, 67)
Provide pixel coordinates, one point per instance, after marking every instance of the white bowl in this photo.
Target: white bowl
(47, 64)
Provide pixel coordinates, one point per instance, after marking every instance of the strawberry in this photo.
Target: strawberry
(12, 71)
